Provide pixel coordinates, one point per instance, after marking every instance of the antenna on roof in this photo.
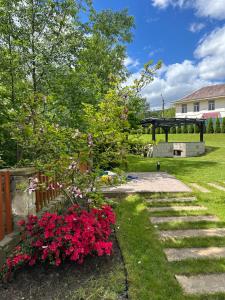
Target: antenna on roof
(163, 105)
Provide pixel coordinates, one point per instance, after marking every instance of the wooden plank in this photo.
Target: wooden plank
(8, 208)
(2, 231)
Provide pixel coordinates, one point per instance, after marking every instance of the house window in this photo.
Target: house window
(196, 106)
(184, 108)
(211, 105)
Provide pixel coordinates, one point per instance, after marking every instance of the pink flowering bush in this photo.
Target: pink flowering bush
(54, 238)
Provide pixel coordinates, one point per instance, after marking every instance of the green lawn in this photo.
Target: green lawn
(150, 276)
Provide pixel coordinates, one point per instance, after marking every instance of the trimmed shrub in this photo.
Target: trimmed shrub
(191, 129)
(185, 129)
(196, 129)
(223, 126)
(149, 130)
(210, 127)
(179, 129)
(218, 126)
(157, 131)
(173, 130)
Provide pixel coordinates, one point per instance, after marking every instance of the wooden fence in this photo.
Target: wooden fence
(6, 222)
(47, 191)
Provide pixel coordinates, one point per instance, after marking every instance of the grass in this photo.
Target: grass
(150, 275)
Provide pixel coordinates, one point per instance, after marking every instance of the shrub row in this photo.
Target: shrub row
(212, 126)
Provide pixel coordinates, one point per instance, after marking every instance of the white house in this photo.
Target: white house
(208, 102)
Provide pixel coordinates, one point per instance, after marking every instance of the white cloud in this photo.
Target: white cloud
(161, 3)
(211, 52)
(196, 27)
(205, 8)
(176, 80)
(129, 62)
(210, 8)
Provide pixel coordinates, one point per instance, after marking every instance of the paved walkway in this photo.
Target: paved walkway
(149, 182)
(201, 284)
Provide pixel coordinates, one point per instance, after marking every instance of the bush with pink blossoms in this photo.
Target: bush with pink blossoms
(54, 238)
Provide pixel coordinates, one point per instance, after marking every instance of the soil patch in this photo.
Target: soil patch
(97, 278)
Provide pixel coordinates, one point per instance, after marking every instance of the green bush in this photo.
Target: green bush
(157, 131)
(196, 129)
(179, 129)
(223, 126)
(191, 128)
(218, 126)
(149, 130)
(210, 127)
(173, 130)
(185, 129)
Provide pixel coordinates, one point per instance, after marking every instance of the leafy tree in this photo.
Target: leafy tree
(218, 126)
(106, 123)
(210, 127)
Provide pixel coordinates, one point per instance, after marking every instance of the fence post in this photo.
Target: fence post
(8, 208)
(2, 231)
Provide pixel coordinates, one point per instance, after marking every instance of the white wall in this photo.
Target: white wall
(219, 107)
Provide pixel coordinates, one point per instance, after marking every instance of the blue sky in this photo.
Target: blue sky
(189, 37)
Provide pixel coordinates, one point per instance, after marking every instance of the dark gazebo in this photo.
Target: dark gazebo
(167, 123)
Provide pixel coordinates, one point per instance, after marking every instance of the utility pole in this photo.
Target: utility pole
(163, 106)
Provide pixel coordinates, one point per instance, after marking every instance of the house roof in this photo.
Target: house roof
(208, 92)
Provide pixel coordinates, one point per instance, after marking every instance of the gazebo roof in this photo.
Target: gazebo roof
(171, 122)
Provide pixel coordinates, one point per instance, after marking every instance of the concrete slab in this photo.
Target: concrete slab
(189, 233)
(149, 182)
(162, 200)
(177, 208)
(199, 188)
(195, 253)
(217, 186)
(202, 284)
(159, 220)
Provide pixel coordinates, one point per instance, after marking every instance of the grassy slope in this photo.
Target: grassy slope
(150, 276)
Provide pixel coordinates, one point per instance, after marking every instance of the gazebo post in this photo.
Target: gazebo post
(201, 127)
(166, 129)
(153, 132)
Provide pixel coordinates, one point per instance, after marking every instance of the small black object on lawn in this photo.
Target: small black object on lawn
(158, 166)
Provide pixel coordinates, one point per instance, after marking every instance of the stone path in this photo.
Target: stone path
(159, 220)
(163, 200)
(194, 253)
(148, 182)
(199, 188)
(189, 233)
(217, 186)
(177, 208)
(202, 284)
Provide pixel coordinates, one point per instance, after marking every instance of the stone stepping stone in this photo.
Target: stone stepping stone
(177, 208)
(199, 188)
(189, 233)
(217, 186)
(162, 200)
(159, 220)
(202, 284)
(195, 253)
